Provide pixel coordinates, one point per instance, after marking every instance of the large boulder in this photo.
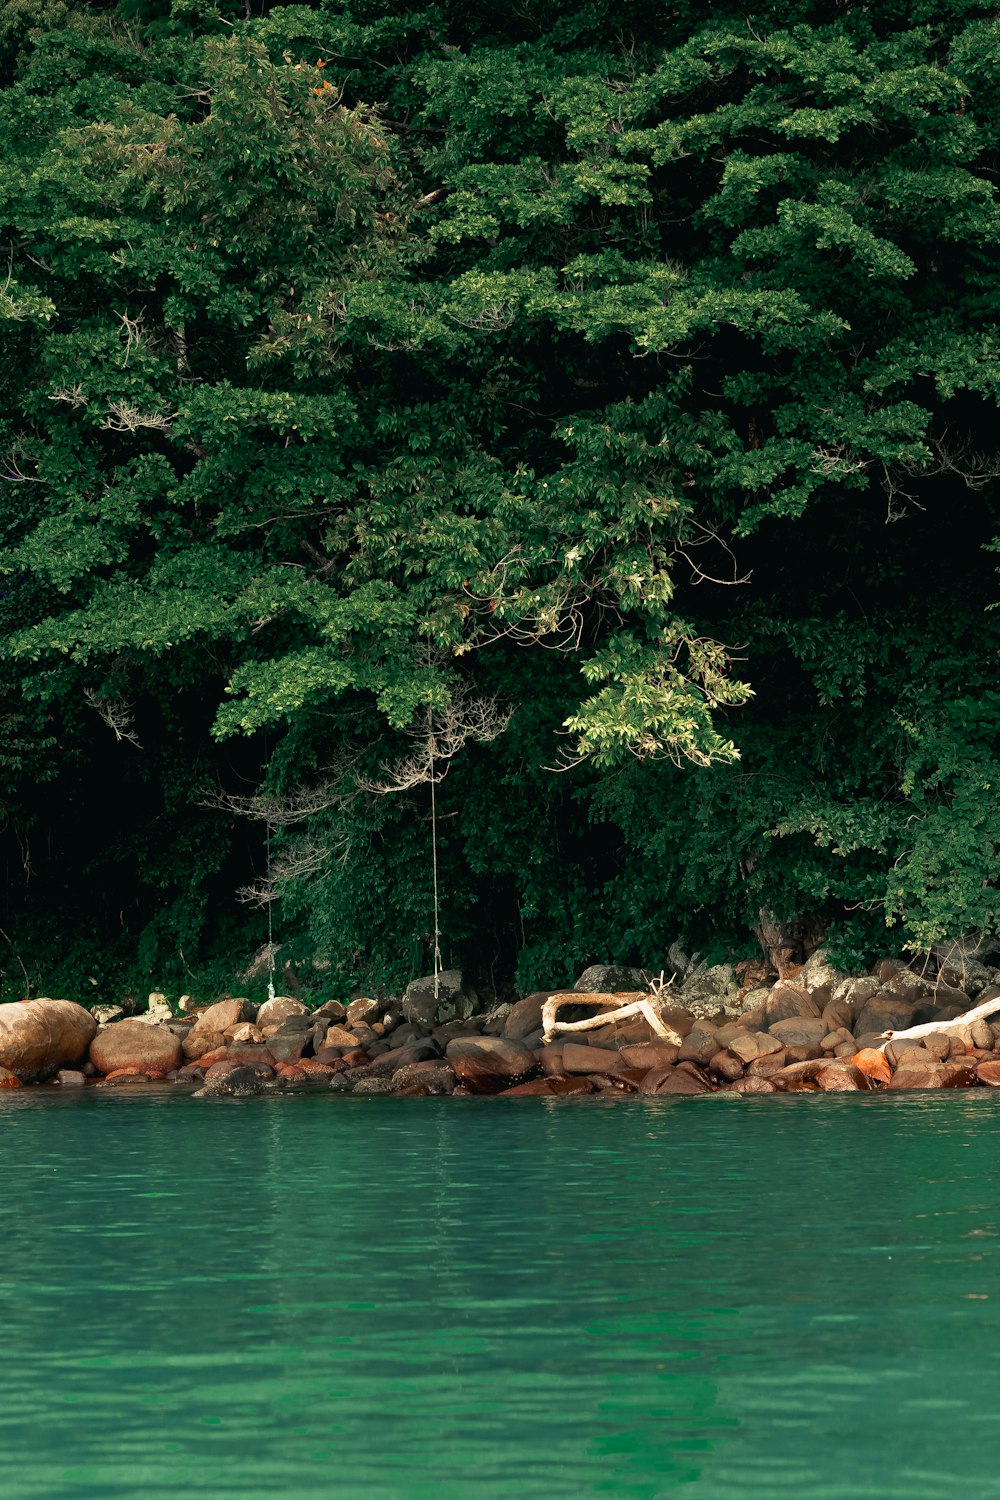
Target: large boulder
(138, 1046)
(799, 1031)
(610, 979)
(38, 1037)
(885, 1012)
(453, 1000)
(789, 1001)
(209, 1030)
(490, 1064)
(275, 1012)
(707, 991)
(820, 978)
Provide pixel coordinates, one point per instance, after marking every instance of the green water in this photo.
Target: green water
(325, 1296)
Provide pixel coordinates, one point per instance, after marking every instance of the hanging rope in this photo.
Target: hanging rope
(434, 848)
(270, 919)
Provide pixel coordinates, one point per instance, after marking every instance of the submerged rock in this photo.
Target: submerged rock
(234, 1082)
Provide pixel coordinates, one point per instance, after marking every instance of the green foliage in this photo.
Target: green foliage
(363, 364)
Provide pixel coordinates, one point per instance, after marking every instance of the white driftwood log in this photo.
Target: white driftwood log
(978, 1013)
(642, 1007)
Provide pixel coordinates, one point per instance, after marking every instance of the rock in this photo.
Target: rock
(835, 1039)
(208, 1031)
(532, 1089)
(884, 1012)
(707, 991)
(434, 1074)
(989, 1073)
(767, 1064)
(799, 1075)
(752, 1085)
(799, 1031)
(819, 977)
(339, 1036)
(587, 1060)
(497, 1019)
(70, 1078)
(525, 1017)
(649, 1054)
(234, 1082)
(550, 1058)
(843, 1077)
(654, 1078)
(274, 1012)
(611, 979)
(363, 1035)
(489, 1064)
(288, 1046)
(873, 1062)
(699, 1046)
(680, 1081)
(105, 1014)
(331, 1010)
(245, 1032)
(725, 1065)
(136, 1045)
(157, 1009)
(374, 1085)
(363, 1011)
(9, 1080)
(982, 1035)
(37, 1037)
(454, 1000)
(789, 1001)
(388, 1063)
(839, 1015)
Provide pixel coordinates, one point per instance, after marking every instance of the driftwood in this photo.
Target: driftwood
(644, 1007)
(978, 1013)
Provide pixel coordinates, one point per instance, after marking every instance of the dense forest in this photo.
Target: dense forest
(558, 438)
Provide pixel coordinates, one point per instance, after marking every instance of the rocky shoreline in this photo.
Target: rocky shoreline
(815, 1030)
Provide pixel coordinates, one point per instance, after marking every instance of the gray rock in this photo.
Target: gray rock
(610, 979)
(236, 1083)
(707, 991)
(104, 1014)
(454, 1000)
(70, 1078)
(820, 978)
(373, 1085)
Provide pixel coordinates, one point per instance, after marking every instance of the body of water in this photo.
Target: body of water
(312, 1296)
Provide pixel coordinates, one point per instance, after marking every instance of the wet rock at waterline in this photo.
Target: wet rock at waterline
(37, 1037)
(489, 1064)
(234, 1083)
(138, 1045)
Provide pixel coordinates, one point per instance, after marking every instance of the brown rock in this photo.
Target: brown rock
(798, 1075)
(363, 1012)
(245, 1034)
(209, 1030)
(654, 1078)
(885, 1012)
(586, 1060)
(725, 1065)
(873, 1062)
(799, 1031)
(9, 1080)
(489, 1064)
(752, 1085)
(982, 1035)
(330, 1010)
(525, 1016)
(843, 1077)
(938, 1044)
(788, 1002)
(834, 1039)
(37, 1037)
(681, 1081)
(532, 1089)
(700, 1045)
(918, 1075)
(649, 1054)
(571, 1086)
(839, 1015)
(989, 1073)
(767, 1065)
(134, 1045)
(550, 1058)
